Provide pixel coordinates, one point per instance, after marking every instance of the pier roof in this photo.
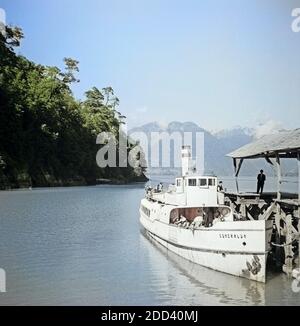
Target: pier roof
(282, 144)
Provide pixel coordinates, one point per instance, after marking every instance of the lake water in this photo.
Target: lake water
(84, 246)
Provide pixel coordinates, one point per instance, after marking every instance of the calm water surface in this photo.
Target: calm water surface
(84, 246)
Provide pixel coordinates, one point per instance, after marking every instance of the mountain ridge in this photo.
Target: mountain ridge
(216, 146)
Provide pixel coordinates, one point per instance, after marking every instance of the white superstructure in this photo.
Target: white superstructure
(191, 219)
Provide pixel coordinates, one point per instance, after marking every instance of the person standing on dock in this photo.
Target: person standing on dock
(220, 186)
(261, 178)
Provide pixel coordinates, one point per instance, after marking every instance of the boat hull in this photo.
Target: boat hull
(236, 248)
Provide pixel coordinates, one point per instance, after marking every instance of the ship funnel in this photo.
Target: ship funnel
(186, 160)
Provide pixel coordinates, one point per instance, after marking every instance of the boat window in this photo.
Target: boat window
(146, 210)
(192, 182)
(211, 182)
(178, 182)
(202, 182)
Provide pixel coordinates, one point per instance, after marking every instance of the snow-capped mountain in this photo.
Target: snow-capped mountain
(216, 146)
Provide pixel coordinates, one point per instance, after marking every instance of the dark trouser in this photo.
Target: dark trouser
(260, 187)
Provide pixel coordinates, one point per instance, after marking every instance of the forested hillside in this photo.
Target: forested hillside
(47, 137)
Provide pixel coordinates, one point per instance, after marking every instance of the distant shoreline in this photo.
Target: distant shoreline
(75, 183)
(74, 186)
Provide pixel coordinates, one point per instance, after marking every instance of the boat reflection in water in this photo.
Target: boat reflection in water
(195, 284)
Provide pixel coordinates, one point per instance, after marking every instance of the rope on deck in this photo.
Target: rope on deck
(281, 245)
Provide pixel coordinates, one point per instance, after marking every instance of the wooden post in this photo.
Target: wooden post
(243, 209)
(298, 158)
(235, 176)
(237, 168)
(288, 249)
(278, 177)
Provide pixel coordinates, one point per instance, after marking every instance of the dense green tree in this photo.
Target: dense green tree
(46, 136)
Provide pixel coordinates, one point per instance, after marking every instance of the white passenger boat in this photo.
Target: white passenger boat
(191, 220)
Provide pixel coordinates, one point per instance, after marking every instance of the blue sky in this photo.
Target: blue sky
(218, 63)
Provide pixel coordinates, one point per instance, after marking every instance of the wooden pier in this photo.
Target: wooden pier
(282, 208)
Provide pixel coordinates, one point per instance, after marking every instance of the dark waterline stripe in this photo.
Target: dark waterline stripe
(206, 250)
